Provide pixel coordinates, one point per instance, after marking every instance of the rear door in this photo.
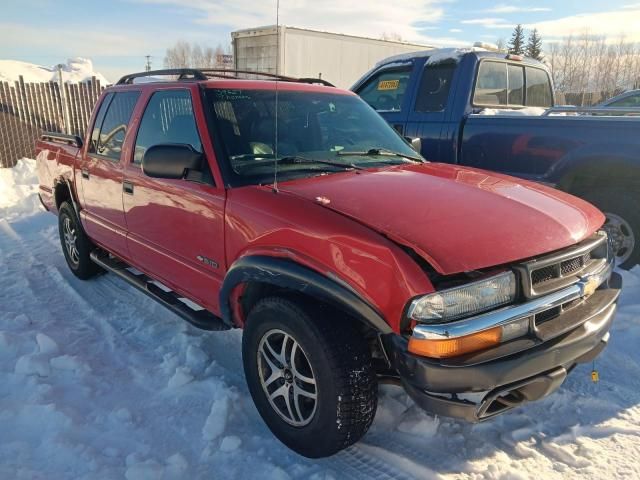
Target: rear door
(176, 226)
(428, 117)
(388, 91)
(102, 172)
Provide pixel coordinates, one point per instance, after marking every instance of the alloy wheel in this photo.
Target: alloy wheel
(621, 237)
(70, 240)
(287, 378)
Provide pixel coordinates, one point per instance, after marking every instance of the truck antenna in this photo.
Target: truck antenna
(275, 144)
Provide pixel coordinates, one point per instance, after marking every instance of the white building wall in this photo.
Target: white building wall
(339, 59)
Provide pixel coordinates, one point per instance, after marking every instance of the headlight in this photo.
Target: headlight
(459, 302)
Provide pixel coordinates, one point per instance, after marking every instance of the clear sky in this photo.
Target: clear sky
(117, 34)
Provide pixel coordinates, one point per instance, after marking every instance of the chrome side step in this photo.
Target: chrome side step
(198, 318)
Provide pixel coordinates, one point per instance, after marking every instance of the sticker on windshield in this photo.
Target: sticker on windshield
(388, 84)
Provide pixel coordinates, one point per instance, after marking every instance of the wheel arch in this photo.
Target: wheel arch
(256, 276)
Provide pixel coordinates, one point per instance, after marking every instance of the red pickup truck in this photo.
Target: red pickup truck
(292, 210)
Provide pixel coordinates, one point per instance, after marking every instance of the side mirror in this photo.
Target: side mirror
(415, 143)
(171, 160)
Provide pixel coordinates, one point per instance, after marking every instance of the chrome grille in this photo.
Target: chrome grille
(554, 271)
(543, 274)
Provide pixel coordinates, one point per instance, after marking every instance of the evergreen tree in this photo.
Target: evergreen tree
(534, 45)
(516, 44)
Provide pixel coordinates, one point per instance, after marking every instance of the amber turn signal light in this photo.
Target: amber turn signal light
(452, 347)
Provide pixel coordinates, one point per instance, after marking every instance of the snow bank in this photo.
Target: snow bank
(75, 70)
(18, 190)
(98, 381)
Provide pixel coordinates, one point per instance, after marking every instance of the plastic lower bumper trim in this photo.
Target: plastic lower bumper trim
(510, 380)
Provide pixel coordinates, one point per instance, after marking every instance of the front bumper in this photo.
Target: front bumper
(479, 386)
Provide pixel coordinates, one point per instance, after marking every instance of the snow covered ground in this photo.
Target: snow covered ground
(76, 70)
(97, 381)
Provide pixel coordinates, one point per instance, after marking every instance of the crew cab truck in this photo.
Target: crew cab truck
(493, 111)
(294, 211)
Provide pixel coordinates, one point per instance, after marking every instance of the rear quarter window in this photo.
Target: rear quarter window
(435, 85)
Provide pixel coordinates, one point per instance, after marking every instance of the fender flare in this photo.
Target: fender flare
(65, 182)
(285, 273)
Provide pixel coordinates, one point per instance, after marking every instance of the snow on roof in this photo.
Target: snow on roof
(75, 70)
(435, 55)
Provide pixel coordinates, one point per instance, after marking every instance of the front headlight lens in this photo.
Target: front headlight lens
(459, 302)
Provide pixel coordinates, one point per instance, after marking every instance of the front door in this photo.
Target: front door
(388, 92)
(176, 227)
(102, 172)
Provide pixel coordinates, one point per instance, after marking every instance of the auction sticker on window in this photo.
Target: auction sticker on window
(388, 84)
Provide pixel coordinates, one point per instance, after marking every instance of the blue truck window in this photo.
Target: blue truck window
(434, 87)
(385, 90)
(491, 87)
(515, 94)
(538, 88)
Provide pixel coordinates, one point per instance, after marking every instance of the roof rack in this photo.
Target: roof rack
(206, 73)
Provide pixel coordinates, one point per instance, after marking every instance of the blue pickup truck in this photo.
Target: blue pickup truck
(494, 111)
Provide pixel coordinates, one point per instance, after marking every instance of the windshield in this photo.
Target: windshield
(318, 133)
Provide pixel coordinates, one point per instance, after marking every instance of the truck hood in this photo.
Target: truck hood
(457, 218)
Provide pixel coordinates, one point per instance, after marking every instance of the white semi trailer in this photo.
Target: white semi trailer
(339, 59)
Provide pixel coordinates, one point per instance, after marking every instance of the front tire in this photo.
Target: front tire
(310, 375)
(622, 224)
(76, 246)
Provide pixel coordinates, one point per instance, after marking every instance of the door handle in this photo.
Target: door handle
(127, 187)
(85, 173)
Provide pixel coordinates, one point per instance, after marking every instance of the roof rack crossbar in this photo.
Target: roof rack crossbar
(204, 73)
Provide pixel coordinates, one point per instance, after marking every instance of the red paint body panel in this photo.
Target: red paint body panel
(101, 199)
(261, 222)
(457, 218)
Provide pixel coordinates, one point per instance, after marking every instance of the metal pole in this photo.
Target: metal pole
(63, 99)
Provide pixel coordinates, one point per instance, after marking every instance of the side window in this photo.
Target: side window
(538, 88)
(385, 90)
(95, 133)
(168, 118)
(515, 95)
(631, 101)
(114, 124)
(491, 86)
(434, 87)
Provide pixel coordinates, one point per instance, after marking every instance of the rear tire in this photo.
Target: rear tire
(76, 246)
(325, 363)
(622, 225)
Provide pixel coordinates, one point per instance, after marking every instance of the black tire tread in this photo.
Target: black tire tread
(351, 367)
(86, 269)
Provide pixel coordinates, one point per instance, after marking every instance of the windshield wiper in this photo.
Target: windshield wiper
(294, 159)
(383, 152)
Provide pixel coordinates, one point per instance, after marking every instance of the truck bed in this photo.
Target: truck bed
(545, 148)
(55, 158)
